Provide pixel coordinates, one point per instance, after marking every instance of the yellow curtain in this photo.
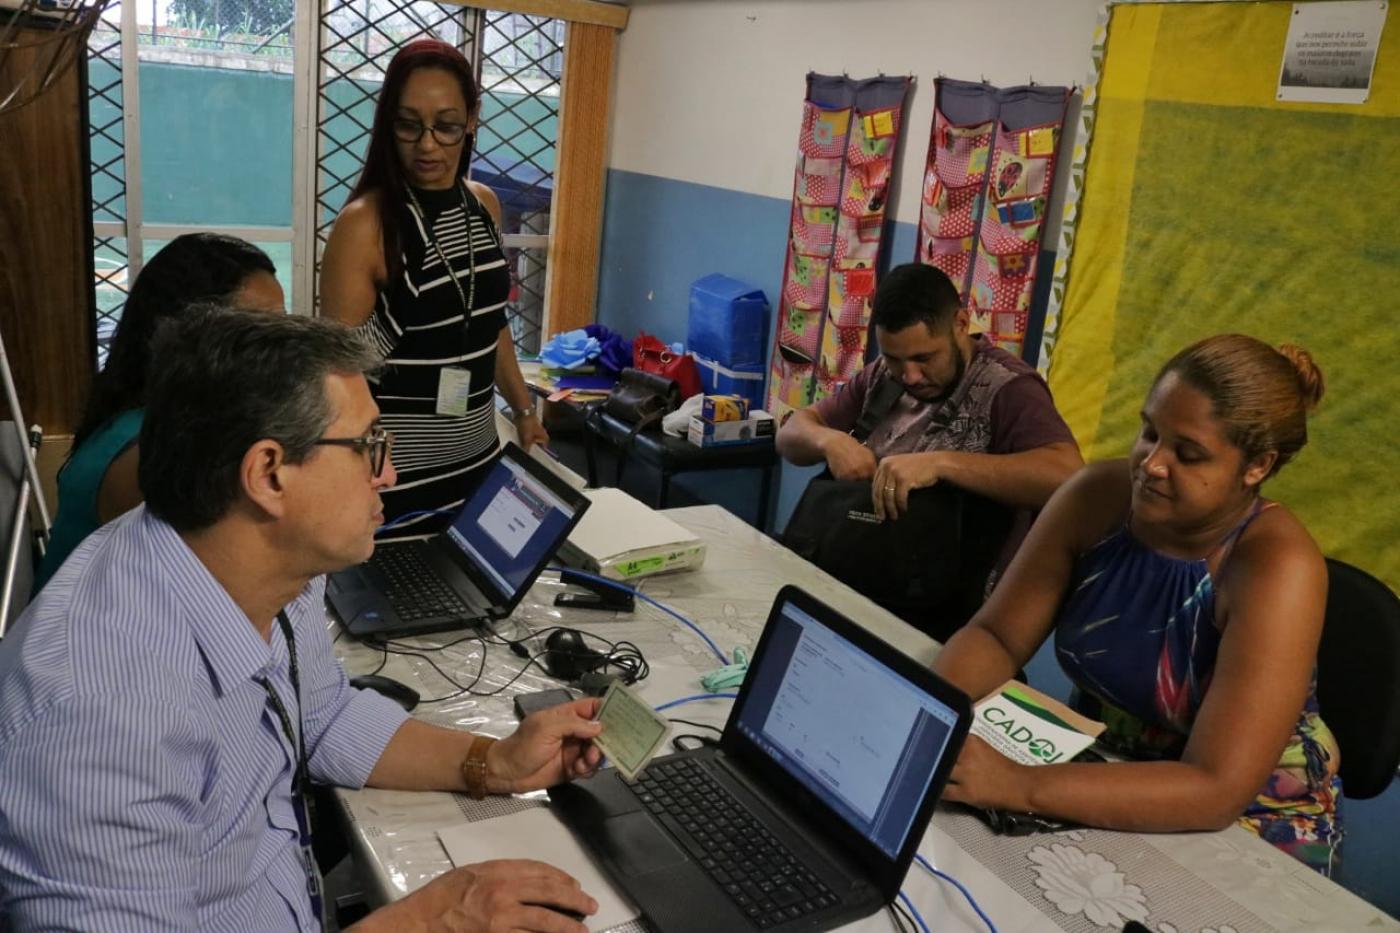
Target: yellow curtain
(1210, 207)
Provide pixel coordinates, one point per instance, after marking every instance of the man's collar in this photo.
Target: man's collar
(231, 645)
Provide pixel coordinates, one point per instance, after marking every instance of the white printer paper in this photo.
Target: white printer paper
(540, 835)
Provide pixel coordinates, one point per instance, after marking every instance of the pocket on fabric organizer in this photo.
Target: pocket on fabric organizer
(805, 284)
(791, 382)
(818, 181)
(865, 188)
(1012, 226)
(799, 332)
(813, 229)
(1032, 142)
(824, 386)
(953, 256)
(828, 382)
(873, 136)
(843, 350)
(953, 212)
(824, 131)
(961, 153)
(851, 292)
(1002, 283)
(1016, 177)
(858, 240)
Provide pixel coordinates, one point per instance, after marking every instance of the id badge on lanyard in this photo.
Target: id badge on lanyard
(454, 391)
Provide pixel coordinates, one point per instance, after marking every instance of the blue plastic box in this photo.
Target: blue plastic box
(718, 379)
(728, 324)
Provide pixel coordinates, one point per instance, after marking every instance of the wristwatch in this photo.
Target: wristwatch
(515, 414)
(474, 766)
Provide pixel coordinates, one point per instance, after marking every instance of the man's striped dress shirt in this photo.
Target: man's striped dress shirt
(145, 783)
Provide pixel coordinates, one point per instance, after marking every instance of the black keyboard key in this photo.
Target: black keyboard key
(690, 844)
(746, 860)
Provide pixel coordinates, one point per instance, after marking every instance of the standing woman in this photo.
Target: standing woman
(415, 261)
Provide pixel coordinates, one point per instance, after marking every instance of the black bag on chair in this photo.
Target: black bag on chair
(642, 398)
(929, 566)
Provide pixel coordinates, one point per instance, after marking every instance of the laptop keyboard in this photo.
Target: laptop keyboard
(413, 587)
(768, 883)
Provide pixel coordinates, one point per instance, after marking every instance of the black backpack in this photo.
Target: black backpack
(929, 567)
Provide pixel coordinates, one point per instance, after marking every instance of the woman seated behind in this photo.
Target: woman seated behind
(98, 482)
(1187, 610)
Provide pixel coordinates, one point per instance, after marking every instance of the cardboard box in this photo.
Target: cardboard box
(758, 426)
(719, 408)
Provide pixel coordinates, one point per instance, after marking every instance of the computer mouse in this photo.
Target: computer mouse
(566, 656)
(402, 694)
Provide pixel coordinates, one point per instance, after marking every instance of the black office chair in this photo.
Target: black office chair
(1358, 664)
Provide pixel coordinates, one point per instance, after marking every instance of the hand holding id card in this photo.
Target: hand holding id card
(632, 731)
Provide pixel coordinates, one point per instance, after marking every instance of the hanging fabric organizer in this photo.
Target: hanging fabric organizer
(987, 182)
(845, 155)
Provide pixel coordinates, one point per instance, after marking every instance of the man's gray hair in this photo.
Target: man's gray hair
(221, 380)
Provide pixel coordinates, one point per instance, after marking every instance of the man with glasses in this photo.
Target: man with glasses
(166, 699)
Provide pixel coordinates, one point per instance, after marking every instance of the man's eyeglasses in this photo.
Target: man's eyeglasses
(446, 134)
(377, 443)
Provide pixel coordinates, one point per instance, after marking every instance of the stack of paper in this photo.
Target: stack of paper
(538, 834)
(622, 538)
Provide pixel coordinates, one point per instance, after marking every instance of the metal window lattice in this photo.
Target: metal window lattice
(107, 167)
(519, 62)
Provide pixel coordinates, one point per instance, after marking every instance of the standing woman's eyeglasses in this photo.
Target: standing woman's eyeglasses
(446, 134)
(377, 443)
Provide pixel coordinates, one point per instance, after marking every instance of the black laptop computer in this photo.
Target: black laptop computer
(477, 569)
(808, 812)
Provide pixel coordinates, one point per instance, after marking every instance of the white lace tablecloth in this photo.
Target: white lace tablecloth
(1083, 880)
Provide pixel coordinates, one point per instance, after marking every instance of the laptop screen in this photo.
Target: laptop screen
(854, 732)
(510, 526)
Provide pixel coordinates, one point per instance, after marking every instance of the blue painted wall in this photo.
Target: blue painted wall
(659, 235)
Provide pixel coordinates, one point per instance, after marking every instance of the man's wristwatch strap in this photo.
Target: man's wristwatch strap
(474, 766)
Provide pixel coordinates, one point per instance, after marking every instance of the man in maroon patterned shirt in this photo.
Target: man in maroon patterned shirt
(949, 407)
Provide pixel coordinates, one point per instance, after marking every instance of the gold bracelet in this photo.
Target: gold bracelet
(474, 766)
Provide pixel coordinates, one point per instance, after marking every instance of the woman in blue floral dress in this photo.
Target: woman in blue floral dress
(1186, 609)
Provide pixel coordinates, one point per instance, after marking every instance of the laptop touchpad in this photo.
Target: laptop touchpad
(639, 846)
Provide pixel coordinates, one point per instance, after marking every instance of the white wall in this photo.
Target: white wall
(710, 91)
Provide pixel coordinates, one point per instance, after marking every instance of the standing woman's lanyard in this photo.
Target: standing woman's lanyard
(455, 382)
(300, 776)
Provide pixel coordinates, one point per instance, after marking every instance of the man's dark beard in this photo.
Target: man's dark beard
(957, 379)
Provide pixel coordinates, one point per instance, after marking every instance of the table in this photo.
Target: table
(1084, 880)
(673, 455)
(668, 456)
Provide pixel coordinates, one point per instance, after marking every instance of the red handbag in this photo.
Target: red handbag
(652, 356)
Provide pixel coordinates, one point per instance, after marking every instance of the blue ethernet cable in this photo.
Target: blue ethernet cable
(918, 917)
(408, 515)
(991, 927)
(647, 599)
(691, 699)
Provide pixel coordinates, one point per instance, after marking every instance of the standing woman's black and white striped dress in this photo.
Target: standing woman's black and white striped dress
(417, 325)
